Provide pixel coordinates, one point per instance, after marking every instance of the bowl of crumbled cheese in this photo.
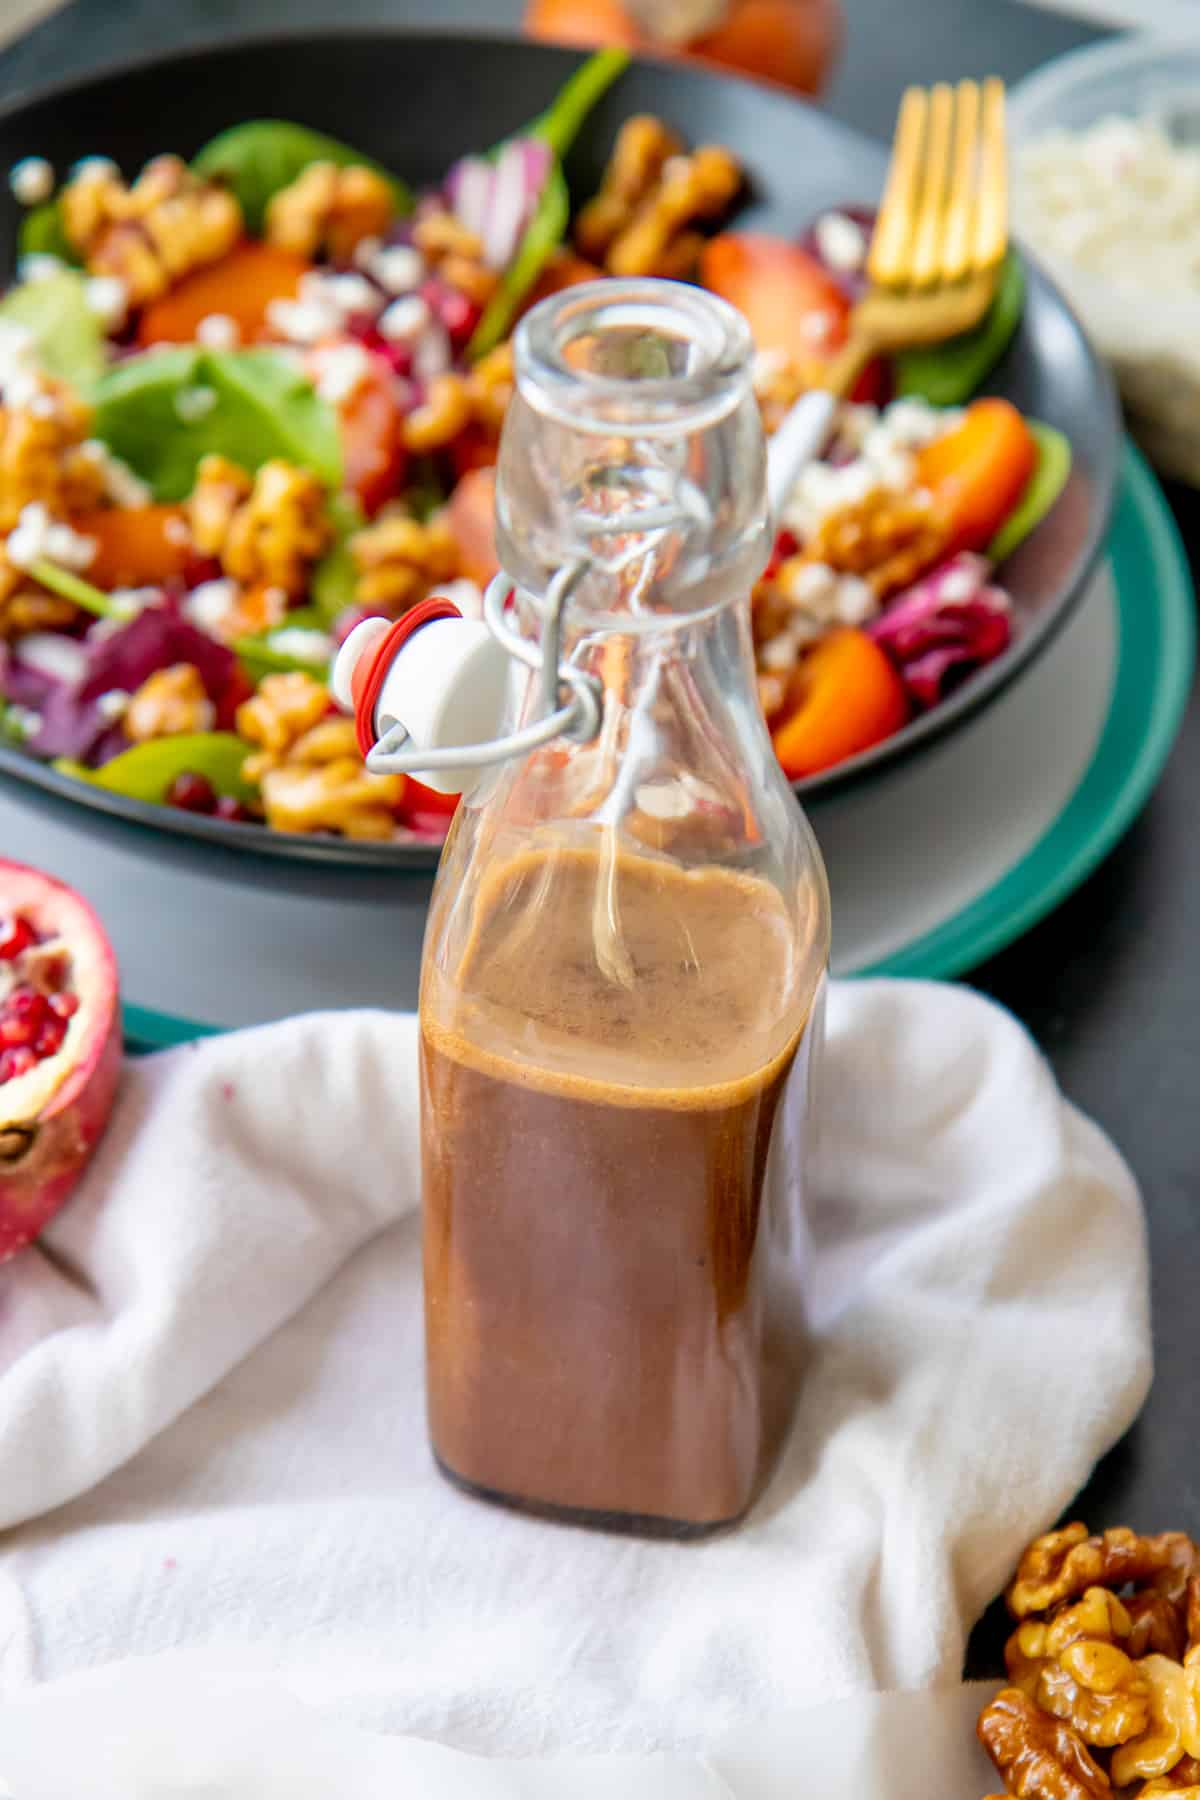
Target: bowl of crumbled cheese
(1106, 191)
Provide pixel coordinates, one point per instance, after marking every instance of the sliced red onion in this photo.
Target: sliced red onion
(949, 623)
(496, 199)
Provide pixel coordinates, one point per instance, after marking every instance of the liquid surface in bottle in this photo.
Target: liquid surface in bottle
(600, 1078)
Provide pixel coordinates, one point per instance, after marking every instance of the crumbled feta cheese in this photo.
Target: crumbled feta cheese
(18, 363)
(92, 168)
(405, 320)
(778, 653)
(811, 585)
(351, 294)
(176, 531)
(113, 705)
(323, 306)
(884, 443)
(301, 321)
(207, 605)
(108, 298)
(855, 601)
(31, 180)
(398, 268)
(37, 537)
(841, 242)
(217, 331)
(817, 328)
(957, 586)
(344, 367)
(42, 405)
(431, 354)
(39, 266)
(194, 403)
(304, 645)
(61, 658)
(767, 366)
(22, 721)
(121, 485)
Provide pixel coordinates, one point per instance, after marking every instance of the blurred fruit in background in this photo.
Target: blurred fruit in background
(791, 43)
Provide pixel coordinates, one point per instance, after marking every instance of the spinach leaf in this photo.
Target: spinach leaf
(43, 233)
(558, 126)
(146, 771)
(948, 374)
(1041, 490)
(68, 338)
(260, 157)
(164, 411)
(335, 577)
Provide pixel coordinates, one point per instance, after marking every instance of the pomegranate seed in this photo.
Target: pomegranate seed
(192, 793)
(64, 1006)
(16, 934)
(48, 1041)
(23, 1003)
(16, 1062)
(16, 1031)
(229, 808)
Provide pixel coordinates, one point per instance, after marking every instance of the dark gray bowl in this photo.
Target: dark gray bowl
(417, 101)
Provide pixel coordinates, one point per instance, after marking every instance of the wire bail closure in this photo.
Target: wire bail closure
(578, 718)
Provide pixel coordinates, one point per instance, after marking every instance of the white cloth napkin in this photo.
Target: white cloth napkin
(215, 1359)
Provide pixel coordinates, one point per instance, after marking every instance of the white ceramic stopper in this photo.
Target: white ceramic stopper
(446, 685)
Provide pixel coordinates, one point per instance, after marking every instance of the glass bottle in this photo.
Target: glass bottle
(624, 960)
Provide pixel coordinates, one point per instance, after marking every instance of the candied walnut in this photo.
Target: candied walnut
(253, 610)
(29, 609)
(330, 209)
(168, 703)
(1073, 1667)
(220, 489)
(399, 559)
(43, 458)
(267, 533)
(149, 235)
(1184, 1779)
(1192, 1612)
(780, 378)
(490, 387)
(438, 234)
(644, 146)
(443, 415)
(338, 795)
(1063, 1563)
(658, 239)
(1156, 1625)
(1040, 1758)
(282, 710)
(1174, 1724)
(886, 539)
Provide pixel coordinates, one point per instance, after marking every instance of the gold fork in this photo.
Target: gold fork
(942, 229)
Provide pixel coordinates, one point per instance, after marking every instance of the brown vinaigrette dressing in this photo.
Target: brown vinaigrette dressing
(597, 1252)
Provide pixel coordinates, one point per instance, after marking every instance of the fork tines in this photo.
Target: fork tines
(944, 215)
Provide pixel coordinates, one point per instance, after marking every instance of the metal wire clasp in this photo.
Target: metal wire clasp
(578, 718)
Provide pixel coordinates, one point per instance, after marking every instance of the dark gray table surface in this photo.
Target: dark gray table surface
(1110, 984)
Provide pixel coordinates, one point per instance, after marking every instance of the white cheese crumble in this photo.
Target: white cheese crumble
(885, 443)
(93, 168)
(39, 265)
(176, 531)
(303, 644)
(61, 658)
(217, 331)
(398, 268)
(37, 538)
(300, 321)
(344, 367)
(107, 298)
(323, 306)
(121, 485)
(1118, 199)
(431, 353)
(208, 604)
(349, 294)
(23, 720)
(113, 705)
(20, 378)
(31, 180)
(194, 403)
(127, 603)
(405, 320)
(841, 242)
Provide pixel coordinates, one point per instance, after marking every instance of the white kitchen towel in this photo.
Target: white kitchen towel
(216, 1360)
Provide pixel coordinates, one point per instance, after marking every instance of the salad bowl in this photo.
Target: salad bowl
(416, 103)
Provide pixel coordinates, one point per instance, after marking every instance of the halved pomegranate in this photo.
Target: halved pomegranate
(60, 1046)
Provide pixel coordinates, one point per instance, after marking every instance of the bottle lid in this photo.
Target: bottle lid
(443, 677)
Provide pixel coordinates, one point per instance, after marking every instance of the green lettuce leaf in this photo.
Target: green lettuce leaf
(948, 374)
(67, 335)
(146, 771)
(164, 411)
(1047, 482)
